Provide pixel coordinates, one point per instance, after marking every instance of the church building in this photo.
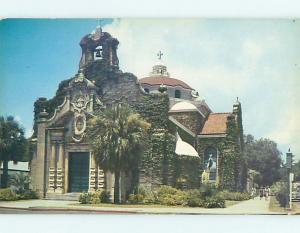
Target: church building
(189, 144)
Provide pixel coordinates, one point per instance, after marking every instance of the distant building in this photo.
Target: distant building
(15, 168)
(187, 138)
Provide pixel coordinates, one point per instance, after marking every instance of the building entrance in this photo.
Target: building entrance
(79, 171)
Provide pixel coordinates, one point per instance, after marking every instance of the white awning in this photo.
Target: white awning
(184, 148)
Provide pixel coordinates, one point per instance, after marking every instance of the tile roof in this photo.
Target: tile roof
(216, 123)
(158, 80)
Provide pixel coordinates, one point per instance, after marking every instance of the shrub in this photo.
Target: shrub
(208, 190)
(100, 196)
(7, 195)
(136, 199)
(195, 202)
(214, 202)
(194, 198)
(167, 195)
(85, 198)
(19, 183)
(151, 198)
(105, 197)
(282, 194)
(233, 196)
(142, 196)
(165, 190)
(164, 195)
(27, 194)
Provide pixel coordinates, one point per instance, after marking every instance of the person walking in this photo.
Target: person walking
(261, 193)
(267, 192)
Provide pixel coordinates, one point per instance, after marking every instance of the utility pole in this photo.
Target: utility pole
(289, 161)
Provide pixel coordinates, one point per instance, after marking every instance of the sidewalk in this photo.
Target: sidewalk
(256, 206)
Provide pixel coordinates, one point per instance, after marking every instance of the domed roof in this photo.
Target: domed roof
(160, 76)
(183, 106)
(183, 148)
(158, 80)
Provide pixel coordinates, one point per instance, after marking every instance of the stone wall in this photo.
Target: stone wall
(191, 120)
(230, 159)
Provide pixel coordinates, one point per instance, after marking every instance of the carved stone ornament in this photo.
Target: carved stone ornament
(79, 126)
(79, 78)
(80, 103)
(195, 94)
(99, 102)
(79, 123)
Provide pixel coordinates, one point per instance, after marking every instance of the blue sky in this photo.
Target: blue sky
(256, 60)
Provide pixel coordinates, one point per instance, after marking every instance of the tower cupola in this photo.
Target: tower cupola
(99, 45)
(159, 69)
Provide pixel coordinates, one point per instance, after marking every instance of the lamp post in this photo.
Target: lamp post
(289, 161)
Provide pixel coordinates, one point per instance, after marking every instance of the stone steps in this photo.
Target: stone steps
(63, 197)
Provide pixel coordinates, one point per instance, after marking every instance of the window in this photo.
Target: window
(146, 90)
(98, 53)
(210, 162)
(177, 94)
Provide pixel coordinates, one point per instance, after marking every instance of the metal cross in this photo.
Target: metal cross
(159, 55)
(99, 26)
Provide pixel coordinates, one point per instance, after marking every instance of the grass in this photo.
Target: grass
(231, 203)
(227, 203)
(296, 207)
(132, 205)
(274, 205)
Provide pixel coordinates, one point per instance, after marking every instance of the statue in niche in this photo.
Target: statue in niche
(211, 164)
(210, 167)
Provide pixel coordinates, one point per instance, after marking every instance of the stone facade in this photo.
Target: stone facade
(60, 123)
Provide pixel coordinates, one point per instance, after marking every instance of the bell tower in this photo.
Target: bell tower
(99, 45)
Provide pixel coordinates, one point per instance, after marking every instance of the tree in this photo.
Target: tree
(296, 171)
(12, 144)
(116, 137)
(263, 156)
(20, 183)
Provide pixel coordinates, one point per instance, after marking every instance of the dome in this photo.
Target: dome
(158, 80)
(184, 148)
(183, 106)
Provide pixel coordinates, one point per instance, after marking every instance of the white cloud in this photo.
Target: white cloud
(252, 50)
(18, 119)
(29, 133)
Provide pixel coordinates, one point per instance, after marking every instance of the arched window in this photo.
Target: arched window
(146, 90)
(210, 162)
(177, 94)
(98, 53)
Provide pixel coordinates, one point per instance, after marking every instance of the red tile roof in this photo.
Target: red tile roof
(157, 80)
(216, 123)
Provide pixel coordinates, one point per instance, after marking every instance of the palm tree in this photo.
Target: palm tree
(12, 144)
(20, 183)
(116, 136)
